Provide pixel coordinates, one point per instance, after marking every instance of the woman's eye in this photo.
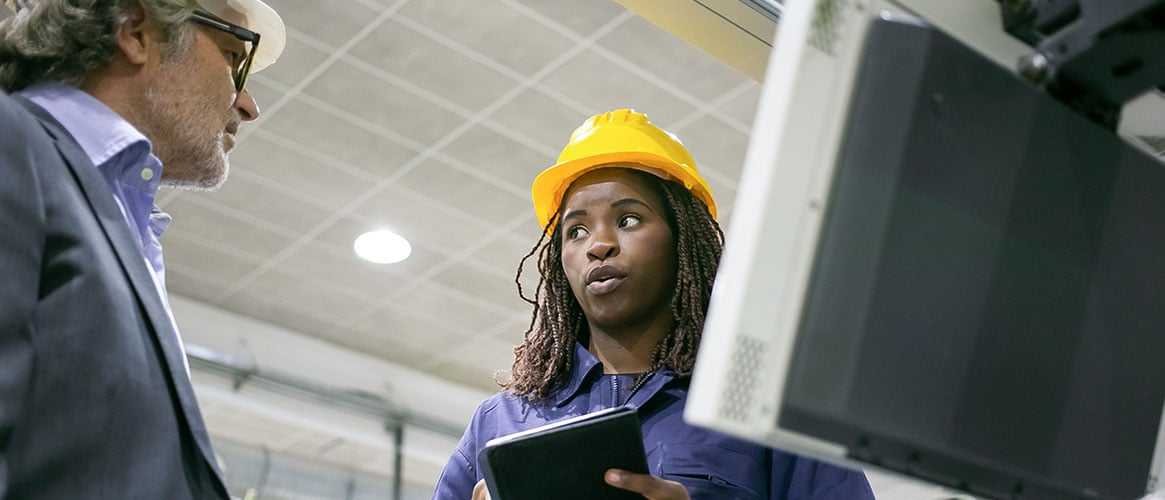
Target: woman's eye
(629, 220)
(575, 232)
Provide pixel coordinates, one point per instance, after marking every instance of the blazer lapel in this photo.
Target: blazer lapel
(116, 230)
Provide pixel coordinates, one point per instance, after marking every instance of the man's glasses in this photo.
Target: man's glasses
(242, 68)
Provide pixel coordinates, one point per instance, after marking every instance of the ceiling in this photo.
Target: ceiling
(429, 117)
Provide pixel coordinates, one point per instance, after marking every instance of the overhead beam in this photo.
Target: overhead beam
(729, 30)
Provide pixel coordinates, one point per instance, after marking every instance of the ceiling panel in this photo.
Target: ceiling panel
(615, 86)
(325, 133)
(287, 170)
(198, 285)
(371, 98)
(489, 28)
(638, 41)
(398, 50)
(414, 335)
(209, 258)
(491, 201)
(299, 59)
(213, 222)
(499, 156)
(419, 217)
(340, 265)
(308, 293)
(276, 310)
(281, 210)
(573, 18)
(452, 306)
(543, 119)
(718, 148)
(492, 284)
(496, 355)
(742, 106)
(333, 23)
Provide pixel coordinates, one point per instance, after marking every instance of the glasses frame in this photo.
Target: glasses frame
(243, 70)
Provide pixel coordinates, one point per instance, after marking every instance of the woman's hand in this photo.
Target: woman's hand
(480, 491)
(651, 487)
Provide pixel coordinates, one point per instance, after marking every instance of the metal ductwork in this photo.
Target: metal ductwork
(254, 472)
(253, 469)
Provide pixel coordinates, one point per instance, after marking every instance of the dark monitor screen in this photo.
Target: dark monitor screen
(987, 304)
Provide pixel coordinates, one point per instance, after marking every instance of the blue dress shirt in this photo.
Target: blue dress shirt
(125, 159)
(709, 464)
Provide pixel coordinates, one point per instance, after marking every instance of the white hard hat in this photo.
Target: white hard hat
(256, 16)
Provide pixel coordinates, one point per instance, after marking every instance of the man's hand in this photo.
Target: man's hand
(651, 487)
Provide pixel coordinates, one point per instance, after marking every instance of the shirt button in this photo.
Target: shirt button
(147, 174)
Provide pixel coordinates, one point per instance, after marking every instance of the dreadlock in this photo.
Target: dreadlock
(543, 361)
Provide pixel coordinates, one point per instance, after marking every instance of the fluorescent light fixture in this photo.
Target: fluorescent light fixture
(382, 247)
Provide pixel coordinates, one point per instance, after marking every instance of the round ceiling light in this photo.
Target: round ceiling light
(382, 247)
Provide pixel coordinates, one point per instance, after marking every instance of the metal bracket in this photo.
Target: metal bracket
(1094, 55)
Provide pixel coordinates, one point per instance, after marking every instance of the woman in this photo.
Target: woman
(628, 254)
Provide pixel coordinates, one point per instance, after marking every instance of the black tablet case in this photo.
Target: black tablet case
(565, 460)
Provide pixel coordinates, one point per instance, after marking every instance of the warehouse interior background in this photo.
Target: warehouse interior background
(321, 375)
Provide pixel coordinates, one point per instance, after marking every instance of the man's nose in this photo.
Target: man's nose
(245, 103)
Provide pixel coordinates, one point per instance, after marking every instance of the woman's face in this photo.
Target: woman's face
(618, 251)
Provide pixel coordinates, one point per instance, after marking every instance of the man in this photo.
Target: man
(110, 99)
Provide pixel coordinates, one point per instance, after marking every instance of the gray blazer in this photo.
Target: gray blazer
(94, 399)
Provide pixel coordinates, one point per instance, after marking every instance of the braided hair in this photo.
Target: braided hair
(542, 363)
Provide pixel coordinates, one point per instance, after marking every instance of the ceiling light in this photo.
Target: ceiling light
(382, 247)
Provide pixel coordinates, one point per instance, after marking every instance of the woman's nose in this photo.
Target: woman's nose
(603, 246)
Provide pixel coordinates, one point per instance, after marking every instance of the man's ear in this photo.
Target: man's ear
(137, 36)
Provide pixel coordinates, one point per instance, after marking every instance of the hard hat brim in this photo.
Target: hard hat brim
(551, 185)
(256, 16)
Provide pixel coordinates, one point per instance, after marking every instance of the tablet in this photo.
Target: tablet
(566, 459)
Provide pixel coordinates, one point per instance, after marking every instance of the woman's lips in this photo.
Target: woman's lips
(604, 279)
(604, 286)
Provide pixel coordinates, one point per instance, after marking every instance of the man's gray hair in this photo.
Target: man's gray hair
(64, 40)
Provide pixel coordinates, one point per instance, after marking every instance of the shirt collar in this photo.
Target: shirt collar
(584, 364)
(159, 221)
(587, 366)
(101, 132)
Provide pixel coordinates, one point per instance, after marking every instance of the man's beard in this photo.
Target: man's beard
(190, 159)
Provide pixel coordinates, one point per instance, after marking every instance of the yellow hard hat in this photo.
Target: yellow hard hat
(620, 138)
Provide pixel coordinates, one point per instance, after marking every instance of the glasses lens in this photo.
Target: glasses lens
(245, 67)
(243, 71)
